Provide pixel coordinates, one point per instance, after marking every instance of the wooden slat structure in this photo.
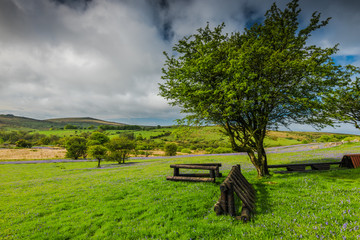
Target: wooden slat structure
(350, 161)
(196, 177)
(236, 183)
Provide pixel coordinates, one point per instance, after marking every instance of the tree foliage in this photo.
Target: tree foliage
(99, 137)
(343, 104)
(119, 149)
(76, 147)
(250, 82)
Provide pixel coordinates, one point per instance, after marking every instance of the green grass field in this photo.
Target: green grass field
(134, 201)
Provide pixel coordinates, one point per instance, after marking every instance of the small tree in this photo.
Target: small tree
(170, 149)
(98, 152)
(76, 147)
(119, 149)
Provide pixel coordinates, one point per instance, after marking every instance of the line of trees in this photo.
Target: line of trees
(99, 146)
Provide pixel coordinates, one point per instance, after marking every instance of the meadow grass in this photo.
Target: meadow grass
(134, 201)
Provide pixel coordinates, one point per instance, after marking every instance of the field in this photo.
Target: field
(134, 201)
(32, 154)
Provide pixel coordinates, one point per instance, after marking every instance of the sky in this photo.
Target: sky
(103, 58)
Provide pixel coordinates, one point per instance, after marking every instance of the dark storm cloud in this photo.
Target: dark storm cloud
(103, 58)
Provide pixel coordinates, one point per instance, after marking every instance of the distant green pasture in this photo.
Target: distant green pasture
(134, 201)
(111, 133)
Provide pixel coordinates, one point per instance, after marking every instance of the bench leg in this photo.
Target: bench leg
(212, 173)
(176, 172)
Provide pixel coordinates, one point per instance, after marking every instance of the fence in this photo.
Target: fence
(236, 183)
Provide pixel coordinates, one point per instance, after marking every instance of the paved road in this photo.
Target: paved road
(283, 149)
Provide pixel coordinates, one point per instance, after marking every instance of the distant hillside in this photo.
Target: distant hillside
(86, 121)
(10, 121)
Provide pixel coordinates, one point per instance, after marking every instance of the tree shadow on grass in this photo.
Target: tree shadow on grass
(262, 203)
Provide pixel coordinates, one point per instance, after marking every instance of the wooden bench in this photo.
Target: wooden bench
(301, 167)
(196, 177)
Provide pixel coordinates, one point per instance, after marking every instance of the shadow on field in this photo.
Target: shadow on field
(115, 165)
(262, 198)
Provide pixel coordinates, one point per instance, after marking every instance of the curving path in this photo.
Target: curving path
(283, 149)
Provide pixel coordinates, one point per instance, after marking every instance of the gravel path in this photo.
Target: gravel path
(283, 149)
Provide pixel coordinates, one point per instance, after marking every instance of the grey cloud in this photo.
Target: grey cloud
(103, 58)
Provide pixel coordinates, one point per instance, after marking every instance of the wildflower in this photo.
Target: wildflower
(345, 225)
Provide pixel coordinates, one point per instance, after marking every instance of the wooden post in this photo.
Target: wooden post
(239, 167)
(245, 214)
(176, 171)
(218, 209)
(223, 198)
(212, 173)
(230, 198)
(217, 172)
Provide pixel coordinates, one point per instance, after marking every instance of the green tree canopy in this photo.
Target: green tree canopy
(253, 81)
(100, 137)
(76, 147)
(98, 152)
(120, 148)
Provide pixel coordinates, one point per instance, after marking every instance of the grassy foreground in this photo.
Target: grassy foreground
(77, 201)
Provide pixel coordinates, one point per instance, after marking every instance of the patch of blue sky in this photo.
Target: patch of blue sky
(346, 59)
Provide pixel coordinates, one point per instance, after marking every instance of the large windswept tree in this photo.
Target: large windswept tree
(253, 81)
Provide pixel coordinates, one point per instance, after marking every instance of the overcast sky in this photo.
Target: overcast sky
(103, 58)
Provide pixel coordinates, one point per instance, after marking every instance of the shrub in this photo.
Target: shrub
(193, 147)
(170, 149)
(22, 143)
(223, 150)
(186, 150)
(209, 150)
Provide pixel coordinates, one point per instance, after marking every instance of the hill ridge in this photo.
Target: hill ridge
(12, 121)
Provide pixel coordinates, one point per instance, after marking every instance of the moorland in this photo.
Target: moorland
(134, 201)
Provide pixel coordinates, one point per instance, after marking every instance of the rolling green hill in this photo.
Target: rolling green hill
(9, 121)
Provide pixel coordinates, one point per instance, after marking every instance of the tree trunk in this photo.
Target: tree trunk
(259, 160)
(99, 163)
(254, 147)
